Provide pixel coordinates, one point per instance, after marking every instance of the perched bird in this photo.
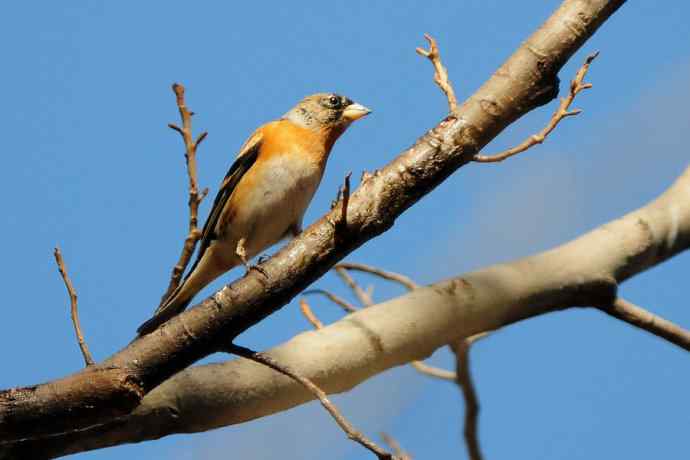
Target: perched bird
(265, 193)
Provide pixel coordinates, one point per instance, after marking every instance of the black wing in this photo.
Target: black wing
(247, 157)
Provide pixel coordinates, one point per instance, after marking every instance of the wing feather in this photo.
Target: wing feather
(244, 161)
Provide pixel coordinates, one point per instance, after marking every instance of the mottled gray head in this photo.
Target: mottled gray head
(326, 110)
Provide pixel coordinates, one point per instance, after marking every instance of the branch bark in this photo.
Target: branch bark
(526, 81)
(400, 330)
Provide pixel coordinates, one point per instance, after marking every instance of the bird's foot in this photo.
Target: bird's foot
(242, 254)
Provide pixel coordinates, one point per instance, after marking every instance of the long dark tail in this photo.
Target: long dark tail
(170, 308)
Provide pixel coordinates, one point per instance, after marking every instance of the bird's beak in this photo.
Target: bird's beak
(355, 111)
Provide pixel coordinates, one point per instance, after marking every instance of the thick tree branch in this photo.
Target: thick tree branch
(400, 330)
(527, 80)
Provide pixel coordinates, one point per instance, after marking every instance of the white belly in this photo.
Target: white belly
(278, 200)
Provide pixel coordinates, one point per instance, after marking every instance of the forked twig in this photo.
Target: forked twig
(88, 359)
(576, 85)
(343, 423)
(440, 72)
(195, 197)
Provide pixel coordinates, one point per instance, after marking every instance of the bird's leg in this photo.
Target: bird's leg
(241, 252)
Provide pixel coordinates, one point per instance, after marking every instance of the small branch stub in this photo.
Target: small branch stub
(440, 72)
(88, 359)
(344, 196)
(576, 85)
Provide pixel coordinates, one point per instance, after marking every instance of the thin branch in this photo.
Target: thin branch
(374, 208)
(435, 372)
(309, 314)
(342, 422)
(390, 276)
(195, 197)
(440, 72)
(88, 359)
(643, 319)
(344, 304)
(576, 85)
(469, 394)
(360, 293)
(365, 298)
(394, 445)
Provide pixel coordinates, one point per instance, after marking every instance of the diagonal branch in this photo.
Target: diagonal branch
(390, 276)
(643, 319)
(342, 303)
(561, 112)
(528, 79)
(343, 423)
(391, 333)
(88, 359)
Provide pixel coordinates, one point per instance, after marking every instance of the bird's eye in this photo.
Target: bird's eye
(334, 101)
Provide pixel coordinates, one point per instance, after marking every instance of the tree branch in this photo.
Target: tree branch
(561, 112)
(343, 423)
(195, 197)
(440, 73)
(74, 312)
(528, 79)
(469, 393)
(398, 331)
(641, 318)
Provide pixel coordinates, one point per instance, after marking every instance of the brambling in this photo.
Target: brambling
(265, 193)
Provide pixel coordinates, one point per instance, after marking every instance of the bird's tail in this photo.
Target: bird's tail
(175, 303)
(206, 269)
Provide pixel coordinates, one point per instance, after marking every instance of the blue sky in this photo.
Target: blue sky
(90, 165)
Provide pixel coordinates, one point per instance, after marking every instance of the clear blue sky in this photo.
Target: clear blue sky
(90, 165)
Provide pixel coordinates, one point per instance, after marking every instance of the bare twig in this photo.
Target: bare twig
(576, 85)
(435, 372)
(390, 276)
(643, 319)
(469, 394)
(88, 359)
(394, 445)
(342, 422)
(440, 72)
(309, 314)
(360, 293)
(195, 197)
(344, 304)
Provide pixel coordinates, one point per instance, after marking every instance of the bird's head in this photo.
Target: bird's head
(326, 111)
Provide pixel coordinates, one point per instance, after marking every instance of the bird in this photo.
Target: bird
(264, 194)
